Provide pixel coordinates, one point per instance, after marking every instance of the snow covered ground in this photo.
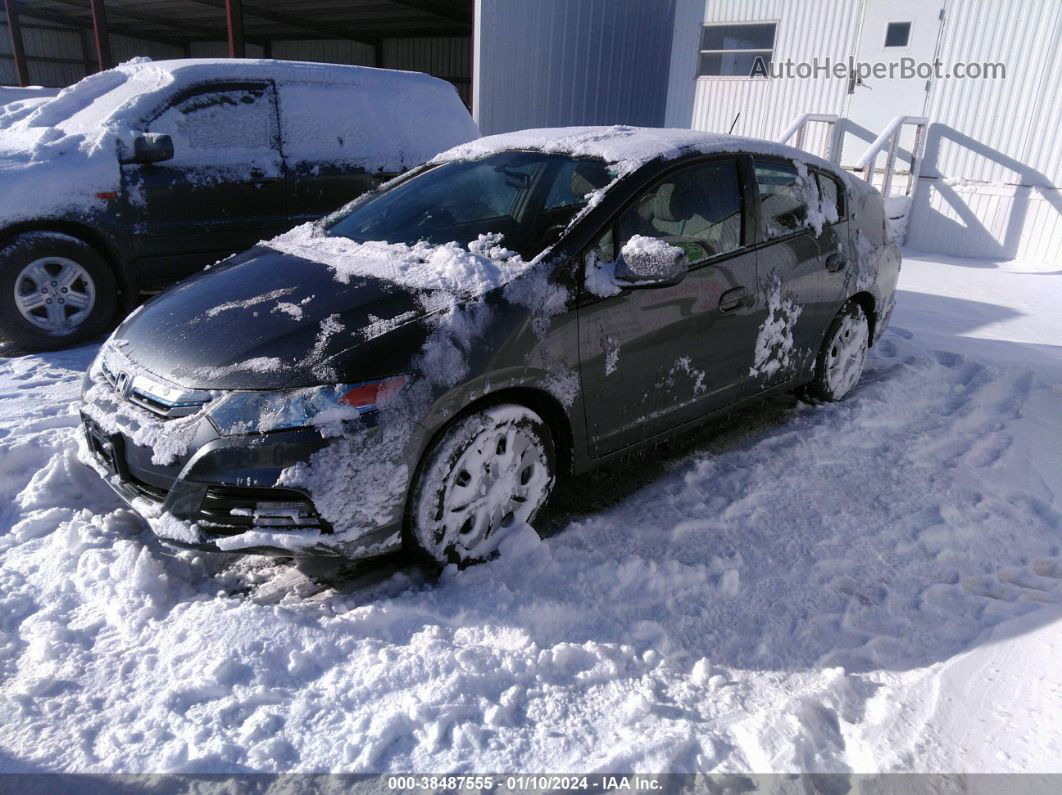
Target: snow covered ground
(874, 585)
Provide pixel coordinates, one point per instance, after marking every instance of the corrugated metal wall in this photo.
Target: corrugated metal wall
(568, 62)
(823, 28)
(66, 62)
(70, 54)
(1000, 131)
(60, 56)
(987, 137)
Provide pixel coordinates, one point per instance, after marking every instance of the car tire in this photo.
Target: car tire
(843, 355)
(487, 474)
(55, 291)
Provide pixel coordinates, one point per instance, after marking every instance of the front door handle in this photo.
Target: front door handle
(835, 262)
(732, 299)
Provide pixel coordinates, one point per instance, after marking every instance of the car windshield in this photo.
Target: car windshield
(528, 198)
(87, 107)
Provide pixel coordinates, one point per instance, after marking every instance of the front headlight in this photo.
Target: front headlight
(258, 412)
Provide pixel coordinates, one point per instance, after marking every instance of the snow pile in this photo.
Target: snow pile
(655, 257)
(481, 266)
(865, 586)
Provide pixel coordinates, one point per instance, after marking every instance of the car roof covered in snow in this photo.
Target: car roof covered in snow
(123, 93)
(628, 148)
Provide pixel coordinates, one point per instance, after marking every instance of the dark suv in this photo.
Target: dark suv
(421, 366)
(143, 174)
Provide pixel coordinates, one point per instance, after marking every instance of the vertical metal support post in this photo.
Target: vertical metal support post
(103, 41)
(890, 162)
(17, 50)
(234, 21)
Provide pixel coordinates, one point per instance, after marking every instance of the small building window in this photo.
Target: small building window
(732, 50)
(897, 34)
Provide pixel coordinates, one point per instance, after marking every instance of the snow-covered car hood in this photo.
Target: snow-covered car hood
(263, 319)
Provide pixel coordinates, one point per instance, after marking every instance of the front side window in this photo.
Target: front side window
(732, 50)
(528, 198)
(222, 125)
(697, 209)
(782, 197)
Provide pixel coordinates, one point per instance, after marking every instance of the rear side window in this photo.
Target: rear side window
(832, 196)
(222, 126)
(782, 198)
(697, 208)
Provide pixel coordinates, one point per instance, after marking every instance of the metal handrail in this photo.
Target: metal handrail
(890, 138)
(799, 127)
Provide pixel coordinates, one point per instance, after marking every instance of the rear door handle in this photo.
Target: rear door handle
(732, 299)
(835, 262)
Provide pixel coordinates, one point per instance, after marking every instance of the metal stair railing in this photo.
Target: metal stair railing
(799, 129)
(888, 141)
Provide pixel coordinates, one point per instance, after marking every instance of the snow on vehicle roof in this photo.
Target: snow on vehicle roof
(627, 148)
(119, 93)
(366, 117)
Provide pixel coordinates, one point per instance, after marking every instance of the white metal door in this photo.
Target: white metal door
(893, 32)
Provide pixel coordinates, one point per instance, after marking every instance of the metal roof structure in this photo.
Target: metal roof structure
(242, 24)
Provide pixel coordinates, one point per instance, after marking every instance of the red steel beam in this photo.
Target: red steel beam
(18, 52)
(234, 21)
(103, 39)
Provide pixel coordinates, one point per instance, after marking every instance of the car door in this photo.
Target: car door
(801, 256)
(224, 188)
(654, 358)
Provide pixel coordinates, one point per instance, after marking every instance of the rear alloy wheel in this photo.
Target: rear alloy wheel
(55, 291)
(843, 355)
(489, 473)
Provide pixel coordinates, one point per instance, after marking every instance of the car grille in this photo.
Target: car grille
(230, 510)
(141, 392)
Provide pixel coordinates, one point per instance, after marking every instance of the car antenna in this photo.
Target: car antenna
(733, 124)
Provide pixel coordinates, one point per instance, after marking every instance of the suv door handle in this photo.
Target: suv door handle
(732, 299)
(835, 262)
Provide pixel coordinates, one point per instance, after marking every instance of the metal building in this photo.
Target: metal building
(60, 41)
(971, 164)
(975, 165)
(987, 165)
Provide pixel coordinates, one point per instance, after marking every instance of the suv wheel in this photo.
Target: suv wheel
(489, 473)
(843, 354)
(55, 291)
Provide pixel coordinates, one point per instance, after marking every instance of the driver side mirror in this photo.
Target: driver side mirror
(650, 262)
(151, 148)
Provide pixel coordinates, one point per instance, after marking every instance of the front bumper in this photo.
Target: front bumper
(222, 495)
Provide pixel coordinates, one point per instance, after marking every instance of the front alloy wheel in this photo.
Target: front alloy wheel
(489, 473)
(55, 294)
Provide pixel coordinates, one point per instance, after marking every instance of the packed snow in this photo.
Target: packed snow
(460, 271)
(872, 585)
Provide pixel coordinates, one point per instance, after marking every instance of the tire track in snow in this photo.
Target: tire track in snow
(733, 601)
